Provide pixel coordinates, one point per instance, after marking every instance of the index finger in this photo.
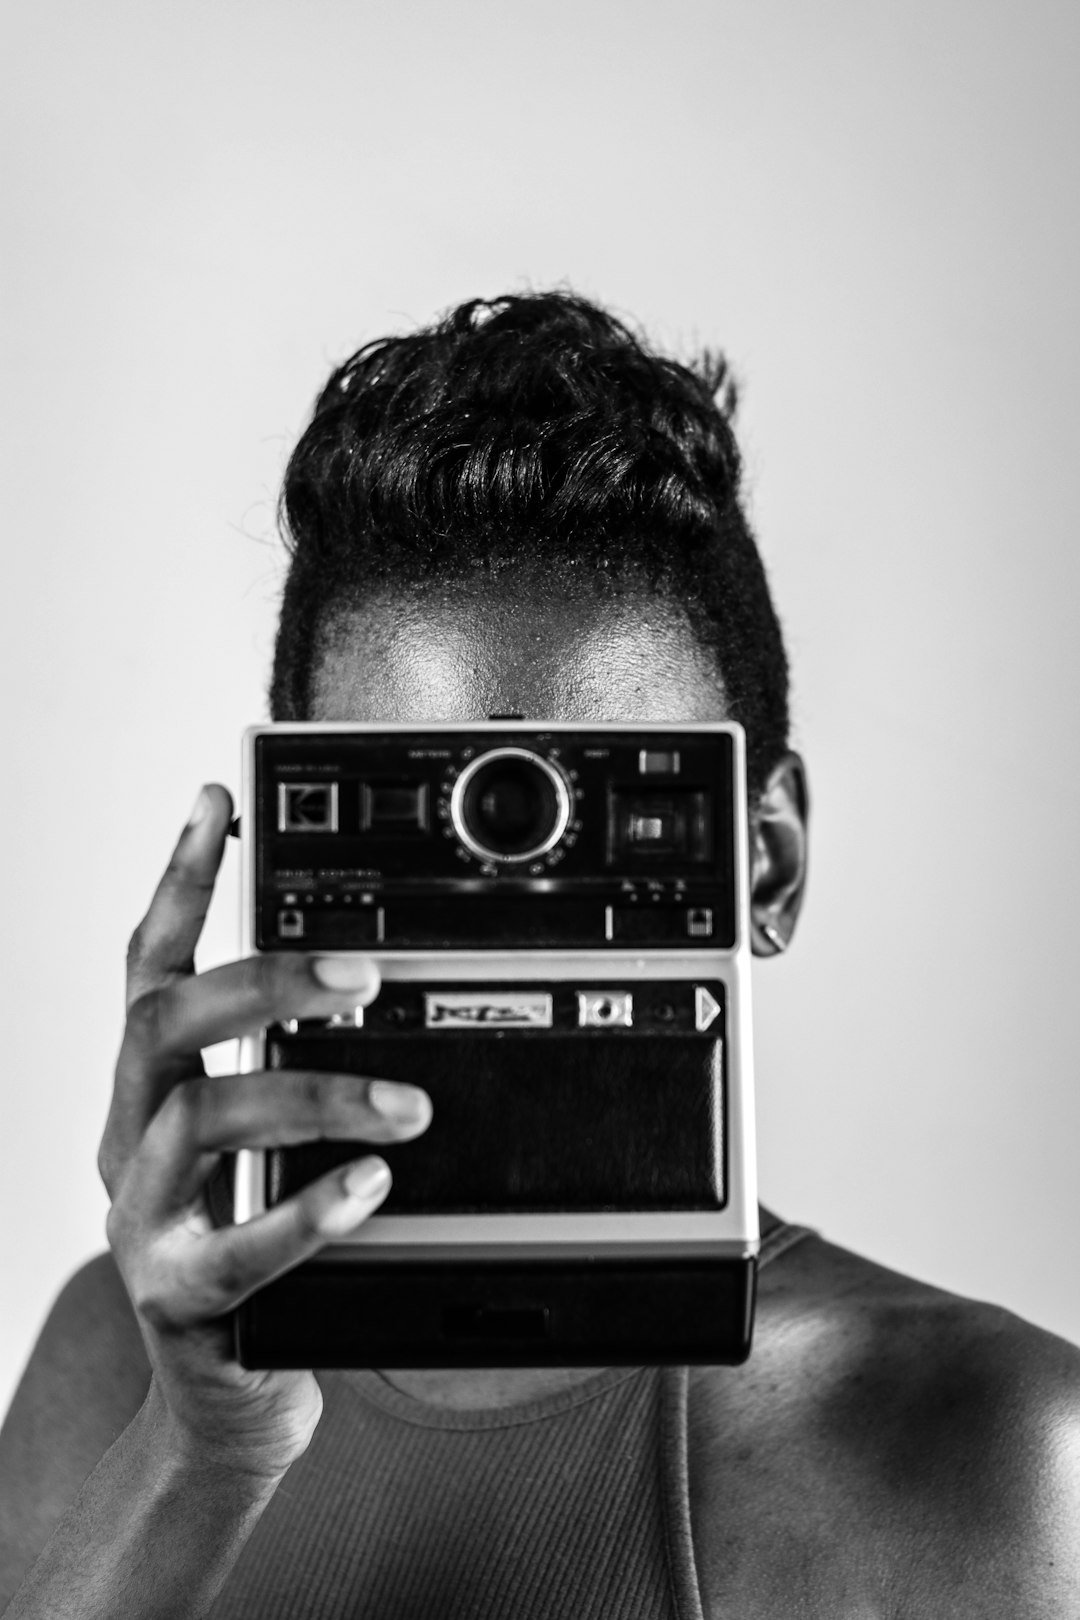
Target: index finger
(163, 945)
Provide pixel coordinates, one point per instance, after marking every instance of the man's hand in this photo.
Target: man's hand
(168, 1125)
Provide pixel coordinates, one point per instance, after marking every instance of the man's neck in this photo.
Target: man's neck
(472, 1388)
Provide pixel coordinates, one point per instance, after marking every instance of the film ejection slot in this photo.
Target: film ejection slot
(605, 1009)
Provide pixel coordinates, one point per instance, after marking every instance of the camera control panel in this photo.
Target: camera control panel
(519, 837)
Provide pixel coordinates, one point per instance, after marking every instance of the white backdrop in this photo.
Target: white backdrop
(873, 208)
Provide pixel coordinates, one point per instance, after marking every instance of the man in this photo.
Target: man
(519, 511)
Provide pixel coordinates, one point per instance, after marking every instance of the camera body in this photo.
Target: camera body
(560, 916)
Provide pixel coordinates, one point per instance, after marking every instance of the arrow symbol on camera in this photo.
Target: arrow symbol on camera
(706, 1007)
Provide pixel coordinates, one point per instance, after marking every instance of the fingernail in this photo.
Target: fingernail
(366, 1179)
(344, 972)
(200, 809)
(404, 1104)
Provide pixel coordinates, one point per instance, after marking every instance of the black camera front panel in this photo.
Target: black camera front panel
(483, 838)
(595, 1312)
(569, 1097)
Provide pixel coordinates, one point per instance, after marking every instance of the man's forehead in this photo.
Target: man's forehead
(463, 652)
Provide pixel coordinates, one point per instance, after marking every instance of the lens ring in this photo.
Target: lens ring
(546, 837)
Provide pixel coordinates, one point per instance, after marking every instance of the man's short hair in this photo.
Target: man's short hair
(531, 432)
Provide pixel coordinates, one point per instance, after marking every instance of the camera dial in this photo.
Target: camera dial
(510, 805)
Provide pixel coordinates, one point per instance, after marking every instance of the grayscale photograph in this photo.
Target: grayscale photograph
(542, 760)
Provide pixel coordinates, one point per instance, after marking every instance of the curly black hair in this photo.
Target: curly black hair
(534, 428)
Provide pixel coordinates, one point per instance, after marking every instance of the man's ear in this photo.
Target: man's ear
(778, 847)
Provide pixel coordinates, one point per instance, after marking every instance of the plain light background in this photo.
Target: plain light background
(872, 207)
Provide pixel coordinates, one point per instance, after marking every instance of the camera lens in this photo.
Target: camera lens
(510, 805)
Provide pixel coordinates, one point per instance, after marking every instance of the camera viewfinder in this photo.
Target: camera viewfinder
(660, 824)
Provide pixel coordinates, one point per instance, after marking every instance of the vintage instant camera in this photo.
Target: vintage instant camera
(560, 916)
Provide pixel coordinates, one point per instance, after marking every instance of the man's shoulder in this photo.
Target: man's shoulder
(89, 1354)
(942, 1433)
(905, 1340)
(92, 1318)
(86, 1378)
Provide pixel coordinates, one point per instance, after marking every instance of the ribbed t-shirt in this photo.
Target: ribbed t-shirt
(572, 1505)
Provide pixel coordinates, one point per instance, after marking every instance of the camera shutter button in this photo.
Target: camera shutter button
(605, 1009)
